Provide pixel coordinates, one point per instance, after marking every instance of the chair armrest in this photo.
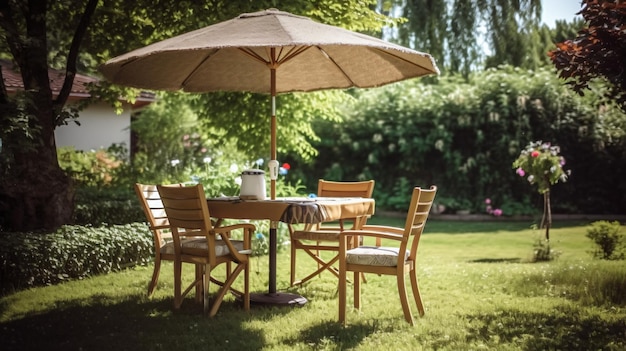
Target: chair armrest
(383, 228)
(183, 233)
(229, 228)
(248, 231)
(329, 228)
(371, 233)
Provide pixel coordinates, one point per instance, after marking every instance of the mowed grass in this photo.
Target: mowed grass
(479, 289)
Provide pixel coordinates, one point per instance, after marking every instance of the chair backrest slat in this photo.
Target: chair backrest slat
(326, 188)
(151, 203)
(158, 213)
(186, 207)
(419, 209)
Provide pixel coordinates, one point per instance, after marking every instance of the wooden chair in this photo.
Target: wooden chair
(205, 246)
(316, 238)
(159, 225)
(387, 260)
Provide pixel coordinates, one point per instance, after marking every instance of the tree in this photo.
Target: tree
(564, 30)
(511, 25)
(542, 165)
(598, 51)
(455, 32)
(34, 191)
(73, 34)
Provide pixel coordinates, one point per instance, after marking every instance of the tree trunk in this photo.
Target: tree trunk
(546, 220)
(34, 192)
(39, 200)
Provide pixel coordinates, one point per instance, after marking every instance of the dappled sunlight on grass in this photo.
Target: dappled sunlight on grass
(478, 289)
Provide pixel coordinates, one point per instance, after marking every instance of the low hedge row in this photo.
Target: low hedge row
(98, 207)
(72, 252)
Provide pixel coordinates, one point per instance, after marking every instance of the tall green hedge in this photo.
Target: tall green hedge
(464, 136)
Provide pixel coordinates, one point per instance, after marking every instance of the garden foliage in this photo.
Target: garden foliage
(464, 135)
(542, 165)
(71, 252)
(597, 52)
(609, 239)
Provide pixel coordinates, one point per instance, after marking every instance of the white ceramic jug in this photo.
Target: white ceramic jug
(252, 185)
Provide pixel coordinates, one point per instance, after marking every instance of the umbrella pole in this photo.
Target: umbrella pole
(274, 298)
(273, 225)
(273, 146)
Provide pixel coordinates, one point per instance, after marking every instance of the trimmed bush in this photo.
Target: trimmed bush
(71, 252)
(97, 207)
(609, 239)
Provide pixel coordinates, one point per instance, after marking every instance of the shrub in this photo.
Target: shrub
(91, 168)
(463, 136)
(96, 206)
(104, 191)
(542, 252)
(608, 237)
(72, 252)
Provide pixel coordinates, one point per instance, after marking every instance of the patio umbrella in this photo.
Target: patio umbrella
(270, 52)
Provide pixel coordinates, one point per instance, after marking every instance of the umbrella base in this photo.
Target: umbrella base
(277, 299)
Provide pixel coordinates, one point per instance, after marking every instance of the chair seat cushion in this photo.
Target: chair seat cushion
(374, 256)
(200, 244)
(167, 248)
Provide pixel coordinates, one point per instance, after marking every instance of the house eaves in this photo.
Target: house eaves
(13, 83)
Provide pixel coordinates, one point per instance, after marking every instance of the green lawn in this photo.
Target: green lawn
(479, 290)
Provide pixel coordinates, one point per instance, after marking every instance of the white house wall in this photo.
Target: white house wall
(99, 128)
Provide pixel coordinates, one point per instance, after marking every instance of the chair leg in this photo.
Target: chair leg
(317, 253)
(246, 286)
(322, 266)
(342, 292)
(155, 275)
(357, 290)
(177, 284)
(416, 293)
(228, 269)
(293, 245)
(199, 287)
(206, 284)
(404, 299)
(224, 289)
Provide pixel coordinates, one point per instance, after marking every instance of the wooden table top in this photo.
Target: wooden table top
(292, 209)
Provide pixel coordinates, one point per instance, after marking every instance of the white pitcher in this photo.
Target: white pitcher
(252, 185)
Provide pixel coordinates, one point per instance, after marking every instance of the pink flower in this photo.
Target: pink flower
(534, 154)
(497, 212)
(520, 172)
(487, 201)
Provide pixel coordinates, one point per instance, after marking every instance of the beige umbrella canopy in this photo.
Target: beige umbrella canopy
(267, 52)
